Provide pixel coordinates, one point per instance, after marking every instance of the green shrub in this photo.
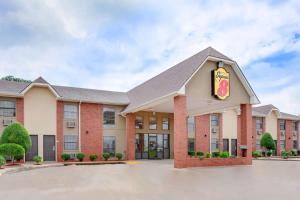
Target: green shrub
(106, 156)
(267, 141)
(2, 161)
(16, 133)
(80, 156)
(93, 157)
(215, 154)
(119, 156)
(256, 154)
(38, 159)
(224, 154)
(208, 155)
(200, 153)
(19, 157)
(294, 152)
(298, 152)
(285, 154)
(65, 157)
(191, 153)
(11, 150)
(269, 153)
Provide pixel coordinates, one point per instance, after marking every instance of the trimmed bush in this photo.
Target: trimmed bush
(16, 133)
(11, 150)
(298, 152)
(294, 152)
(285, 154)
(215, 154)
(191, 153)
(256, 154)
(2, 161)
(80, 156)
(269, 153)
(65, 157)
(106, 156)
(224, 154)
(208, 155)
(200, 153)
(19, 157)
(119, 156)
(93, 157)
(267, 141)
(38, 159)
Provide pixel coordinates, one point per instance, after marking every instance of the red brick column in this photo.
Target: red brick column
(91, 133)
(239, 153)
(278, 138)
(202, 124)
(253, 133)
(298, 135)
(130, 136)
(246, 129)
(180, 131)
(220, 132)
(20, 110)
(59, 130)
(288, 135)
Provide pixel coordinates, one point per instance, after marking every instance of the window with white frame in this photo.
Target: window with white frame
(152, 123)
(70, 111)
(191, 133)
(109, 144)
(70, 142)
(109, 117)
(259, 123)
(282, 125)
(139, 122)
(7, 108)
(166, 123)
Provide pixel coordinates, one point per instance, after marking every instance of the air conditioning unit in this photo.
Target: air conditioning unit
(294, 133)
(7, 122)
(71, 124)
(282, 133)
(213, 130)
(259, 132)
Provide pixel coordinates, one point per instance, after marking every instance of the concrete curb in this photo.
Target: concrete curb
(278, 159)
(27, 168)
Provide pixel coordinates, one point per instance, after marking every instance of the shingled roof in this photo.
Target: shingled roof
(263, 111)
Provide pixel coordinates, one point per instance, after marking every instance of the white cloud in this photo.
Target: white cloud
(90, 43)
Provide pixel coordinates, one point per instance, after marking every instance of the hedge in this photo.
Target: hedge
(11, 150)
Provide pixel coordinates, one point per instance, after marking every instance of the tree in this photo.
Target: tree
(15, 79)
(16, 133)
(267, 141)
(11, 150)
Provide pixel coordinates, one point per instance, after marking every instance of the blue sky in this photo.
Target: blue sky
(116, 45)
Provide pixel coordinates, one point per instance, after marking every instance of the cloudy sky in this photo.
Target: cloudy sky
(116, 45)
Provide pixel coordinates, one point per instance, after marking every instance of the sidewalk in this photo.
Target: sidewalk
(28, 166)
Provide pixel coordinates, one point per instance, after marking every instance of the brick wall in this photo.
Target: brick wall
(202, 124)
(278, 138)
(246, 128)
(59, 129)
(288, 135)
(91, 133)
(253, 133)
(130, 136)
(220, 132)
(20, 110)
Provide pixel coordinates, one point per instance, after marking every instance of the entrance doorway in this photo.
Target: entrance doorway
(152, 146)
(34, 149)
(49, 147)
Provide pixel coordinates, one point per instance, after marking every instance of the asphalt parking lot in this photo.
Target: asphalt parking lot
(153, 180)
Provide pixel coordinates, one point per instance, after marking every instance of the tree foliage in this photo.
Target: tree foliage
(267, 141)
(15, 79)
(16, 133)
(11, 150)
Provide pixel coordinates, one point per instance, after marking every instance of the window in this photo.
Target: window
(191, 133)
(259, 123)
(165, 124)
(70, 111)
(295, 144)
(282, 145)
(109, 144)
(214, 145)
(70, 142)
(214, 120)
(108, 117)
(139, 122)
(295, 126)
(282, 125)
(152, 123)
(7, 108)
(257, 144)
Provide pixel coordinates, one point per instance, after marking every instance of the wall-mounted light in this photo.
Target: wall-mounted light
(87, 132)
(205, 135)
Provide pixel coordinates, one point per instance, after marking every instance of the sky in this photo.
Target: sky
(116, 45)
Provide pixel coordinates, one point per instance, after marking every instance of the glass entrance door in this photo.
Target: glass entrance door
(152, 146)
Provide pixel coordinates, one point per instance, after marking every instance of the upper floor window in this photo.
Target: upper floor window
(165, 124)
(295, 126)
(70, 142)
(70, 111)
(191, 127)
(109, 117)
(214, 120)
(259, 123)
(8, 108)
(139, 122)
(152, 123)
(282, 125)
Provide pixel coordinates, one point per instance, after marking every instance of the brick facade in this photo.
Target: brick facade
(202, 124)
(59, 129)
(278, 138)
(254, 134)
(20, 110)
(91, 132)
(288, 135)
(220, 132)
(246, 130)
(130, 136)
(180, 131)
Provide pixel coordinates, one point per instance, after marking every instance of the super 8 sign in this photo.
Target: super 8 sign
(221, 83)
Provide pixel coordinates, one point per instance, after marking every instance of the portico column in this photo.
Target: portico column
(246, 129)
(180, 131)
(288, 135)
(130, 136)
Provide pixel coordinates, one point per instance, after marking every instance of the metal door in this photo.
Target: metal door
(34, 149)
(233, 147)
(226, 145)
(49, 148)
